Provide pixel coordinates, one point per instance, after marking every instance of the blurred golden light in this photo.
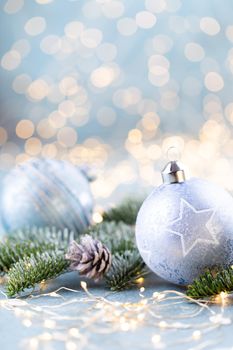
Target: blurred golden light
(57, 120)
(68, 86)
(45, 129)
(124, 98)
(91, 37)
(21, 158)
(207, 150)
(22, 46)
(150, 121)
(91, 142)
(21, 83)
(38, 89)
(51, 44)
(79, 154)
(156, 6)
(80, 97)
(145, 19)
(194, 52)
(27, 323)
(70, 345)
(35, 26)
(158, 61)
(156, 339)
(67, 137)
(73, 29)
(33, 146)
(49, 151)
(66, 46)
(3, 135)
(209, 25)
(214, 81)
(11, 60)
(135, 136)
(196, 335)
(140, 280)
(97, 218)
(80, 117)
(113, 9)
(67, 108)
(162, 43)
(127, 26)
(13, 6)
(102, 76)
(50, 324)
(25, 129)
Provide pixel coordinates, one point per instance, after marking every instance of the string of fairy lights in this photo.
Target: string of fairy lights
(80, 321)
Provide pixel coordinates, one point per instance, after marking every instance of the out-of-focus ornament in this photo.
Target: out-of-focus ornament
(185, 226)
(44, 192)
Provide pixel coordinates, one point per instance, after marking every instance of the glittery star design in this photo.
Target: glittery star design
(145, 251)
(193, 227)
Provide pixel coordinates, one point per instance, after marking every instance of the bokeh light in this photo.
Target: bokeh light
(113, 86)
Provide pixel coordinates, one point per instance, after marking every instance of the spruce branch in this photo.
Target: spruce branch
(59, 238)
(118, 237)
(23, 243)
(125, 270)
(211, 283)
(126, 211)
(12, 251)
(29, 271)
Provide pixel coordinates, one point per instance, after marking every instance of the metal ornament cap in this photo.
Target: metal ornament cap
(173, 173)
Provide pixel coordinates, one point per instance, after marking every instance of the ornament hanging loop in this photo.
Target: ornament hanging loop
(173, 154)
(173, 171)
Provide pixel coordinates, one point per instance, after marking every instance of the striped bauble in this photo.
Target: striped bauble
(46, 192)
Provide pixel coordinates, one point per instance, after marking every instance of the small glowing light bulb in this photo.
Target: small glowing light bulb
(196, 335)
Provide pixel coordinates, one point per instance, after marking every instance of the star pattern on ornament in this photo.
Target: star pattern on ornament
(191, 234)
(145, 251)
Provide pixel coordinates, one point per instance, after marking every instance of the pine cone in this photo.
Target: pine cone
(90, 258)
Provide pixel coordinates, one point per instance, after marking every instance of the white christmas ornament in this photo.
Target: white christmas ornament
(185, 227)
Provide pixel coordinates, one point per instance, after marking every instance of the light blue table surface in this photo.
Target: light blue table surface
(173, 323)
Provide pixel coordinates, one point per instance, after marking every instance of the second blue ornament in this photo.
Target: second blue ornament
(46, 192)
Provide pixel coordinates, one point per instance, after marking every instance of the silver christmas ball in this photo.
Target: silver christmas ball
(44, 192)
(185, 227)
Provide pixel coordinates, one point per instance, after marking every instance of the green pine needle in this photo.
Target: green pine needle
(211, 283)
(59, 238)
(12, 251)
(26, 242)
(126, 211)
(125, 270)
(28, 272)
(118, 237)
